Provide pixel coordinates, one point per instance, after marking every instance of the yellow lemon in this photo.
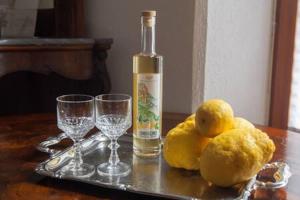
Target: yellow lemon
(242, 123)
(214, 117)
(235, 156)
(190, 118)
(183, 146)
(265, 144)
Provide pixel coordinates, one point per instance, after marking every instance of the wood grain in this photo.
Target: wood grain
(69, 18)
(18, 157)
(66, 20)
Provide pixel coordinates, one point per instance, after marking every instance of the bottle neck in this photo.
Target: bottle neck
(148, 36)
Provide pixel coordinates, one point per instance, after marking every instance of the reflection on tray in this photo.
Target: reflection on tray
(152, 175)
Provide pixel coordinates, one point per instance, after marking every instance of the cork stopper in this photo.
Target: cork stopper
(149, 13)
(148, 18)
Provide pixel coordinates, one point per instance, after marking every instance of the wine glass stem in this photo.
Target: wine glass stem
(78, 157)
(114, 158)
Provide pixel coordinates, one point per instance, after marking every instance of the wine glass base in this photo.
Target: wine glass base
(106, 169)
(85, 170)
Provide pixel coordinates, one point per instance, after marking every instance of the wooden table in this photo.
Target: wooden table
(18, 157)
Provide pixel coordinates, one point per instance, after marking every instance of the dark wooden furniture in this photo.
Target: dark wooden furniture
(33, 72)
(286, 15)
(18, 157)
(65, 20)
(69, 18)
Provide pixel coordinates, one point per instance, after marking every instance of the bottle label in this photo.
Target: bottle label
(148, 115)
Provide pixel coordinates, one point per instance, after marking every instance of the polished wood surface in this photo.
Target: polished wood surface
(71, 58)
(18, 157)
(283, 55)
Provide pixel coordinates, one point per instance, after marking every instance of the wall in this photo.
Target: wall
(199, 53)
(230, 57)
(120, 20)
(238, 55)
(46, 4)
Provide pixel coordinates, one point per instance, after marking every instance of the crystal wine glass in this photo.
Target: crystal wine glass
(113, 118)
(75, 116)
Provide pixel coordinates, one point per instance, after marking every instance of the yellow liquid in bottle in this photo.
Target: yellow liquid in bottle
(147, 104)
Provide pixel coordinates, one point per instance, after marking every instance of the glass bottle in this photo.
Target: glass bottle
(147, 92)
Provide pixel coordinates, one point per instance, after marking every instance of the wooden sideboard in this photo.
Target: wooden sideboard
(33, 72)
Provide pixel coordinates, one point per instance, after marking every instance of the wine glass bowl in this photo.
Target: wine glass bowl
(76, 117)
(113, 118)
(76, 127)
(112, 125)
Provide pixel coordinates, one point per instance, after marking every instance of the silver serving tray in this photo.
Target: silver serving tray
(150, 176)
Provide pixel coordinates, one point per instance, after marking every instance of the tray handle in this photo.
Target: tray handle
(281, 176)
(44, 146)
